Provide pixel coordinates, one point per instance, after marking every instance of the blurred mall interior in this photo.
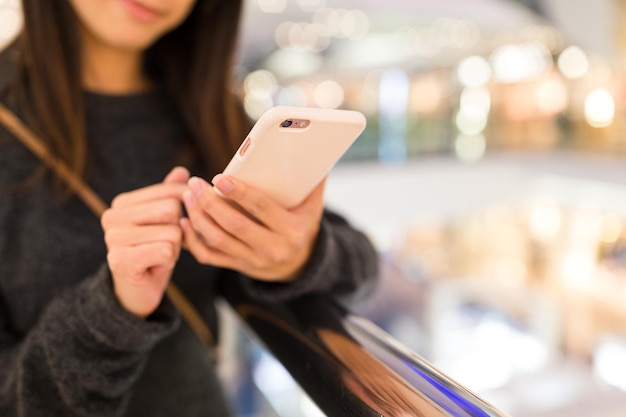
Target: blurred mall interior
(491, 176)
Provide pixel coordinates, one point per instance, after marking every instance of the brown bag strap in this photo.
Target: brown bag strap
(98, 206)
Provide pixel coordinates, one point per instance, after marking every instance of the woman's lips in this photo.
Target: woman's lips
(141, 11)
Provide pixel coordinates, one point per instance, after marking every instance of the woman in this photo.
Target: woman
(123, 91)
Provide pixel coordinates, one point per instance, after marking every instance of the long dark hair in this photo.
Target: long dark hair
(192, 64)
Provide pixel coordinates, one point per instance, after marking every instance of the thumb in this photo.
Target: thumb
(178, 175)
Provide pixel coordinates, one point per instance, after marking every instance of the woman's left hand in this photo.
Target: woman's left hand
(265, 241)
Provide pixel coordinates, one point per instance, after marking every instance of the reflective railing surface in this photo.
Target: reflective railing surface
(350, 367)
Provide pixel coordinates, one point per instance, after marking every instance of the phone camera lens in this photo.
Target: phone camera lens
(287, 123)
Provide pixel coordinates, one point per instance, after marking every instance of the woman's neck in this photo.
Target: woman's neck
(112, 70)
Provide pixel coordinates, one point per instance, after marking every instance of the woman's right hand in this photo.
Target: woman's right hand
(144, 238)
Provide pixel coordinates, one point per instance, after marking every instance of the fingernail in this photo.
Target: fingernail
(181, 169)
(188, 198)
(184, 224)
(223, 183)
(195, 184)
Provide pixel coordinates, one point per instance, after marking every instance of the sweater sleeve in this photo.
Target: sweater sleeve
(344, 263)
(85, 350)
(82, 357)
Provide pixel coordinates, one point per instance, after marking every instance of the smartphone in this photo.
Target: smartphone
(290, 150)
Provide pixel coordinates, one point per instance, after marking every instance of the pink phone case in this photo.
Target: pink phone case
(286, 163)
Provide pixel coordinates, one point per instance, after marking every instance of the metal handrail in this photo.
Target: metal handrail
(350, 367)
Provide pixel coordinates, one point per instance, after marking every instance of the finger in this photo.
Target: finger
(253, 201)
(201, 252)
(295, 227)
(257, 267)
(165, 212)
(150, 193)
(212, 234)
(136, 260)
(178, 175)
(139, 235)
(230, 219)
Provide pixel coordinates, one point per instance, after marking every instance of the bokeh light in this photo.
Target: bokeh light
(474, 71)
(290, 63)
(427, 95)
(328, 94)
(578, 268)
(545, 220)
(302, 36)
(259, 87)
(610, 362)
(260, 84)
(573, 63)
(476, 98)
(600, 108)
(272, 6)
(552, 96)
(471, 120)
(520, 62)
(342, 23)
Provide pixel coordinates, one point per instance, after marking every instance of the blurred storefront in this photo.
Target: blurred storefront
(446, 78)
(490, 175)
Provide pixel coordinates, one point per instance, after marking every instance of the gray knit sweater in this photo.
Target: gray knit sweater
(67, 348)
